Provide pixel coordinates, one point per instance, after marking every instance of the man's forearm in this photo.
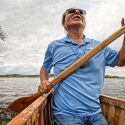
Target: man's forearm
(121, 61)
(43, 87)
(43, 75)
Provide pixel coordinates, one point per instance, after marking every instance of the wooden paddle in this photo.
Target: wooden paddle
(21, 103)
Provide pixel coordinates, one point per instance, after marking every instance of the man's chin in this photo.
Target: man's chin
(75, 25)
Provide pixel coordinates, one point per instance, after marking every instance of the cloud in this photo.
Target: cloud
(104, 17)
(32, 25)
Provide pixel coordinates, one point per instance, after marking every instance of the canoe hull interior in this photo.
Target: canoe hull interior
(39, 112)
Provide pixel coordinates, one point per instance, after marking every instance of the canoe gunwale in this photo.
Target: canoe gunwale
(119, 103)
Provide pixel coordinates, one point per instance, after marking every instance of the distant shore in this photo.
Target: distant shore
(51, 75)
(20, 75)
(111, 76)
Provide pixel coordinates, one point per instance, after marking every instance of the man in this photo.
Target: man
(76, 98)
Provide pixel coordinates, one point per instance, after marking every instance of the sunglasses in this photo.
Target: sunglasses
(72, 10)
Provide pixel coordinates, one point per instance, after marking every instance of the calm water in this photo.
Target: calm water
(13, 88)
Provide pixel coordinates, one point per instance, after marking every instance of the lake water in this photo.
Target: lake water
(13, 88)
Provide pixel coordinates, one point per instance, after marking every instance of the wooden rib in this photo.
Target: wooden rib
(117, 114)
(122, 118)
(103, 108)
(111, 114)
(107, 107)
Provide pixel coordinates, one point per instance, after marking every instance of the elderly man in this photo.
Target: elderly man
(76, 98)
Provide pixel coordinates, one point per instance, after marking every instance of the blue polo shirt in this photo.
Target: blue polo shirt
(78, 94)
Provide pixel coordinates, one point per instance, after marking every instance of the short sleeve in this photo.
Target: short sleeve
(111, 57)
(48, 60)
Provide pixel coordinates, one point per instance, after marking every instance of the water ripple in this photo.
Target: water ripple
(14, 88)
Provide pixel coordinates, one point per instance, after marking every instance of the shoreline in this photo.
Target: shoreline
(21, 76)
(51, 75)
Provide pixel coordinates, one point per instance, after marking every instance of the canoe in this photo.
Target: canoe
(39, 112)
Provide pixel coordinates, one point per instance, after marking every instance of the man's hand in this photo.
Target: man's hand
(43, 88)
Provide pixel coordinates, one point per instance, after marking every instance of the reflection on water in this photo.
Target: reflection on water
(13, 88)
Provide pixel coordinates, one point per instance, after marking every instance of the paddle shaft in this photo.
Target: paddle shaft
(86, 57)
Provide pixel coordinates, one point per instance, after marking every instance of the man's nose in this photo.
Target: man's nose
(77, 11)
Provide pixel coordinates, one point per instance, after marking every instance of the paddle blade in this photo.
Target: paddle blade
(21, 103)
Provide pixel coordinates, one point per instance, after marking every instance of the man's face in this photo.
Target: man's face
(75, 17)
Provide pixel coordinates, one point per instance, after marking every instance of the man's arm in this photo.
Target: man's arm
(121, 61)
(44, 76)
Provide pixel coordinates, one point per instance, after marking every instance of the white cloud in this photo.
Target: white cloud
(32, 25)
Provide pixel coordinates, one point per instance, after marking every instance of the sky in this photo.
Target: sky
(30, 25)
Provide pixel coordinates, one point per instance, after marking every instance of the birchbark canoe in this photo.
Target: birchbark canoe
(39, 112)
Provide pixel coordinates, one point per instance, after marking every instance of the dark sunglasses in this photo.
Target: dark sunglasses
(72, 10)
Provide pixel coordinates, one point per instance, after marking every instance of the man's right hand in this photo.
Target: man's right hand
(43, 87)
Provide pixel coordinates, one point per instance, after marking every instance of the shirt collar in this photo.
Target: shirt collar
(84, 41)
